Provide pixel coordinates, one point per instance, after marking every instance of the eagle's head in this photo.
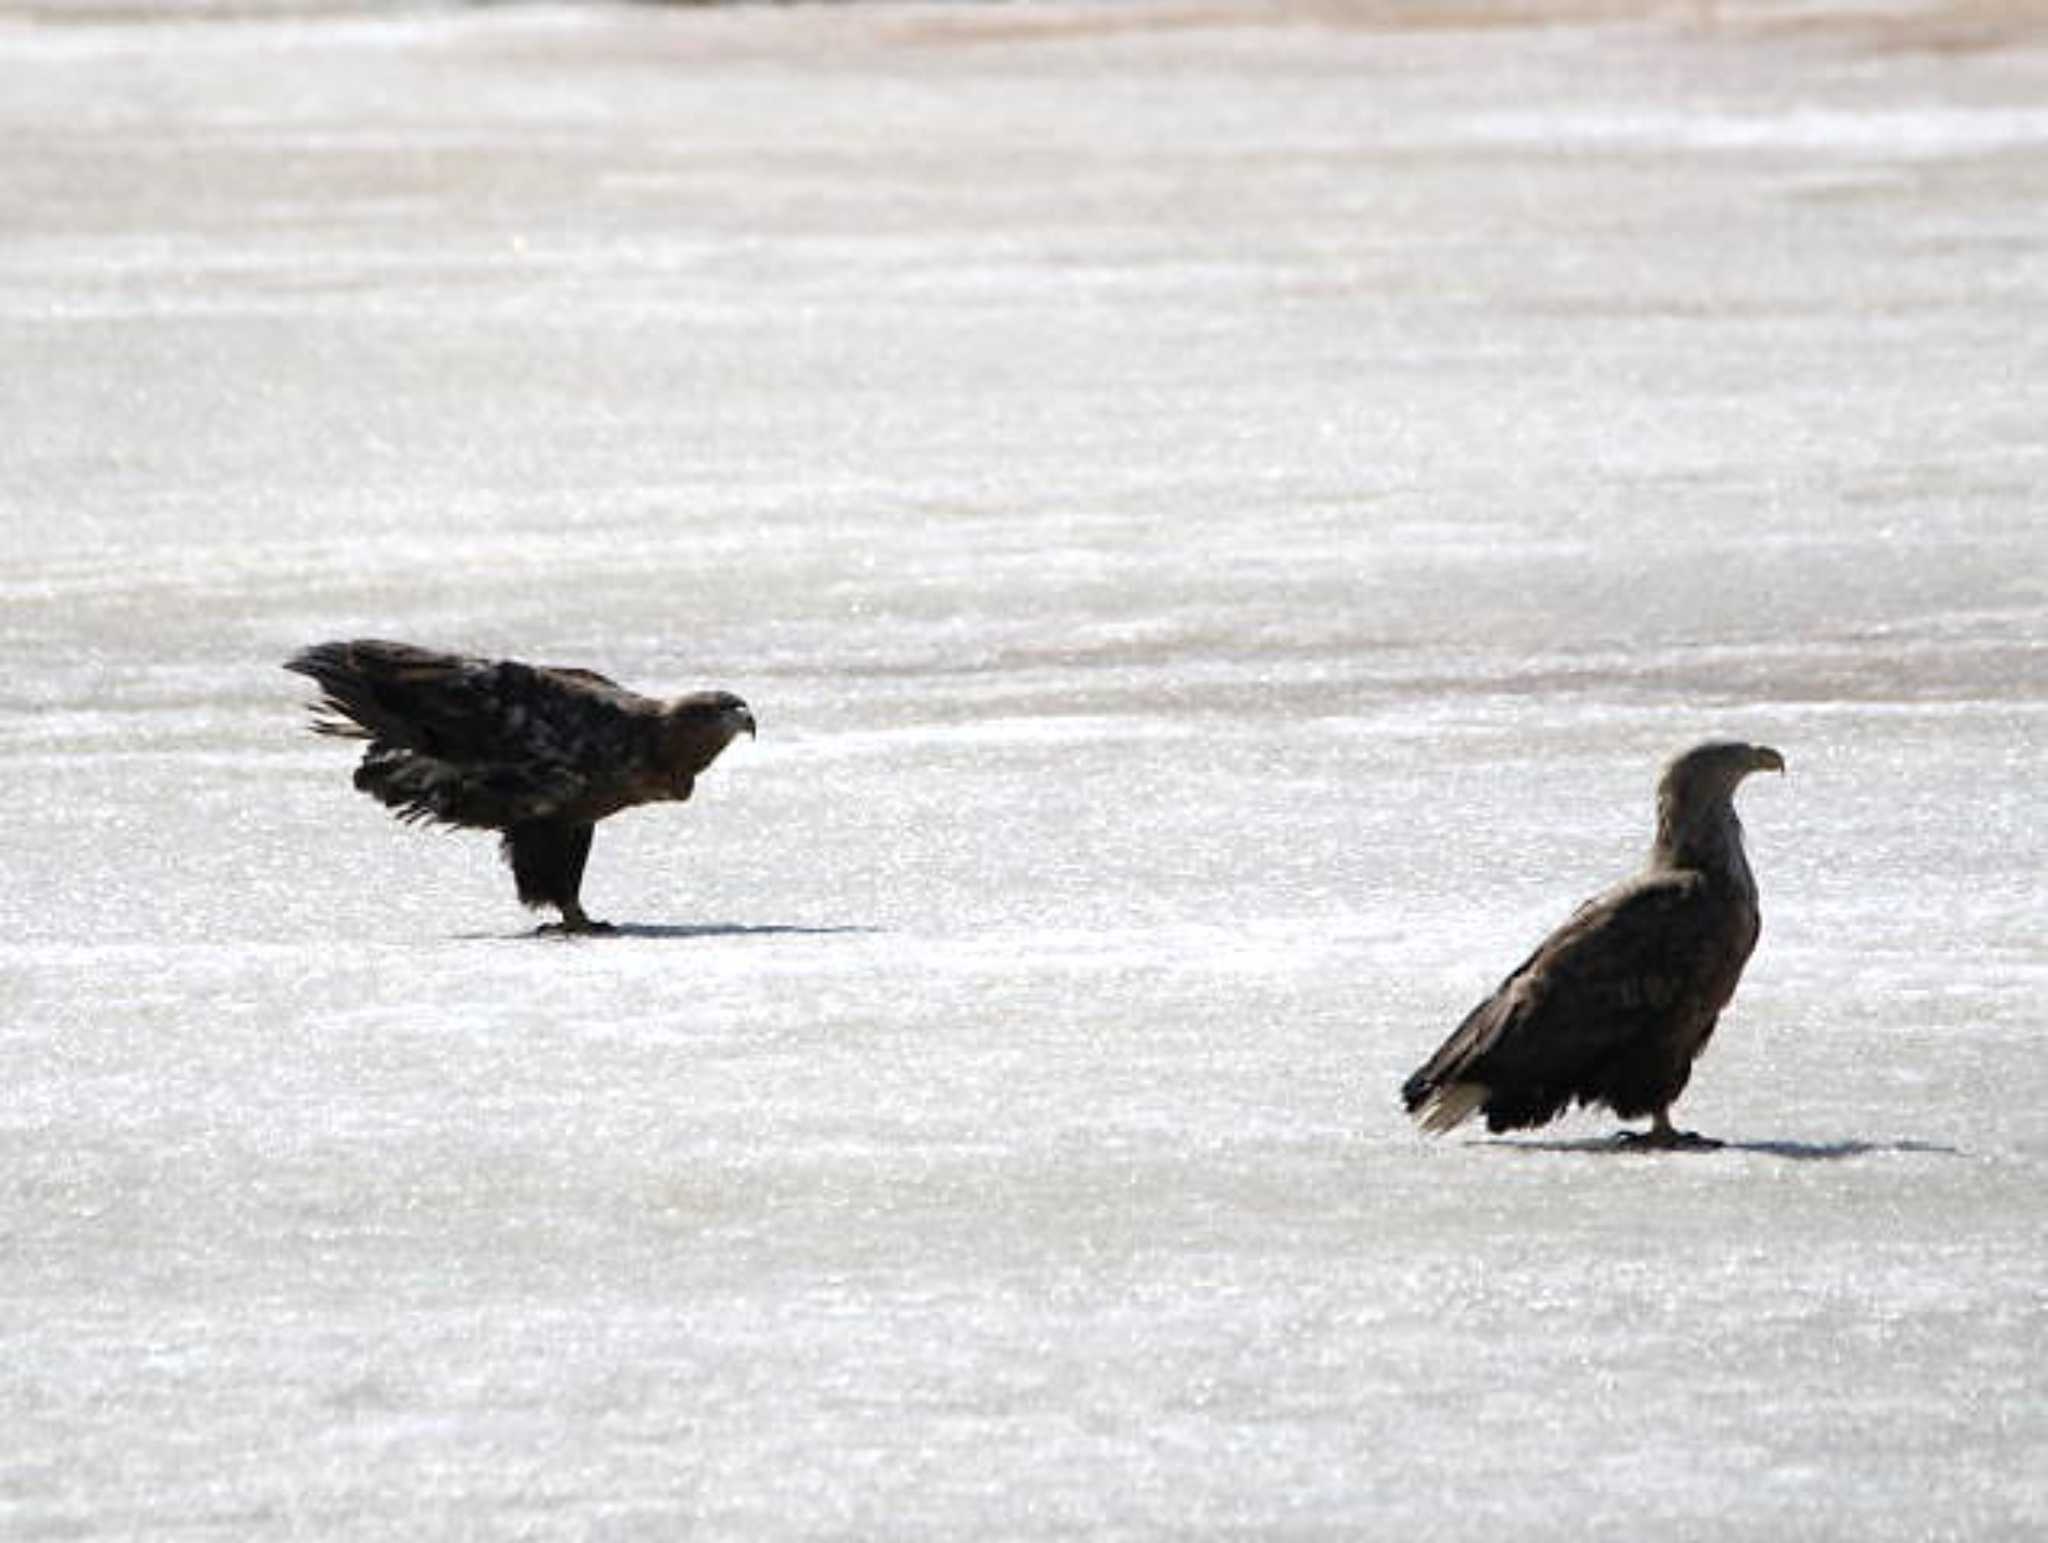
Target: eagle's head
(1696, 823)
(1713, 770)
(695, 728)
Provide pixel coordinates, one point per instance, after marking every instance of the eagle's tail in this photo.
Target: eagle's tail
(1441, 1107)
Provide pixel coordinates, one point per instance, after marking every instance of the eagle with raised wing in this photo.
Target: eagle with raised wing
(538, 752)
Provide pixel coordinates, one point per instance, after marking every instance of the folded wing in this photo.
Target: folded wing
(1604, 1005)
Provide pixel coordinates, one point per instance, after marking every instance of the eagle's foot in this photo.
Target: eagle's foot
(1663, 1137)
(574, 926)
(1666, 1141)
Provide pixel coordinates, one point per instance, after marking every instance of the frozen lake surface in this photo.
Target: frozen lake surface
(1220, 515)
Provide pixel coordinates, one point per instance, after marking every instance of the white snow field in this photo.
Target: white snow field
(1220, 511)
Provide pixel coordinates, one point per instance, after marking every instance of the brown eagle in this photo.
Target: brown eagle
(537, 752)
(1615, 1004)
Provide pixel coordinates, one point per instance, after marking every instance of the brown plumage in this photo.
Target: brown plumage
(1615, 1004)
(537, 752)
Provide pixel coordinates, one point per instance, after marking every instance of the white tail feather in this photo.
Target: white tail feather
(1451, 1105)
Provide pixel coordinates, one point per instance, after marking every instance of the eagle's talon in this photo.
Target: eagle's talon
(1666, 1140)
(567, 928)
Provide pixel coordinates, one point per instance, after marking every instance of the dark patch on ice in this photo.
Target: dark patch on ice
(726, 930)
(1793, 1151)
(667, 930)
(1829, 1151)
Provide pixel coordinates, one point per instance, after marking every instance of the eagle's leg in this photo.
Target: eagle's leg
(547, 858)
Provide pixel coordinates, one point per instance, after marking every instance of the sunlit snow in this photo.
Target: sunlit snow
(1219, 512)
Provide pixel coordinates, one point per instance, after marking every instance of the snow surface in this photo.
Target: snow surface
(1219, 519)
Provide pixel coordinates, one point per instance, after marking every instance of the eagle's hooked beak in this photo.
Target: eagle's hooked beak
(742, 720)
(1768, 759)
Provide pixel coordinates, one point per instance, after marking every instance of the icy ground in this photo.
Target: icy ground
(1220, 515)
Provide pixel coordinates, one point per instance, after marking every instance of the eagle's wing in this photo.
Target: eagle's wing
(470, 741)
(1607, 979)
(586, 677)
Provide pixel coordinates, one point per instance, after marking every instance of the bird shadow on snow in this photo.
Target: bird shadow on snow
(729, 930)
(1792, 1151)
(683, 930)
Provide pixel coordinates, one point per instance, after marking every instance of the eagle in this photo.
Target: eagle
(1613, 1007)
(538, 752)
